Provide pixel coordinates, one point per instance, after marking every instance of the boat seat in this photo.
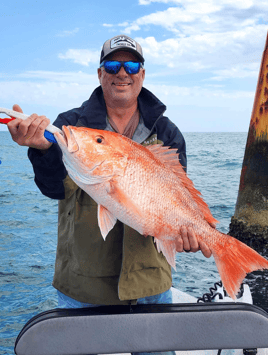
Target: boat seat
(144, 328)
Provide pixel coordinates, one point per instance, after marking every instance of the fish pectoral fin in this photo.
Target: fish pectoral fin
(106, 220)
(121, 198)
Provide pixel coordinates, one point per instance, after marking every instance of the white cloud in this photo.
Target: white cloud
(192, 16)
(123, 24)
(59, 90)
(46, 92)
(207, 109)
(68, 89)
(241, 50)
(220, 36)
(167, 19)
(241, 72)
(133, 27)
(201, 96)
(68, 33)
(81, 56)
(63, 77)
(51, 92)
(148, 2)
(241, 4)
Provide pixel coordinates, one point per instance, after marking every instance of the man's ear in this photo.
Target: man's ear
(99, 74)
(143, 74)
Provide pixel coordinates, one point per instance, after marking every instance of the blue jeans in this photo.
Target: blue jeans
(165, 297)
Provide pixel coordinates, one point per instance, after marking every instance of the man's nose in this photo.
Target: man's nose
(122, 72)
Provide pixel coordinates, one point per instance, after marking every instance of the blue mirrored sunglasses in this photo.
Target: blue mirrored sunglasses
(113, 66)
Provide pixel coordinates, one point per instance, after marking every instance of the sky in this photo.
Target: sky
(202, 57)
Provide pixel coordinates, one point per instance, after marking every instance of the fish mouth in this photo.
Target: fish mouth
(67, 139)
(61, 138)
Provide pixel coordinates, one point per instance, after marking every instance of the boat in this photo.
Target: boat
(212, 324)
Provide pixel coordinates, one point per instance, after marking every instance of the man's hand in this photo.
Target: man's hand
(188, 242)
(29, 132)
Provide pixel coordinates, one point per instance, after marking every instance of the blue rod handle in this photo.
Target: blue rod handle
(50, 137)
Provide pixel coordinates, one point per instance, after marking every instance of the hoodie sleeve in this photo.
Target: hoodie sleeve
(49, 171)
(48, 168)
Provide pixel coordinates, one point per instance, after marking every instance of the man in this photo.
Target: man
(126, 268)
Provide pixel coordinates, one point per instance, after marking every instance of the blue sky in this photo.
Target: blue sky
(202, 58)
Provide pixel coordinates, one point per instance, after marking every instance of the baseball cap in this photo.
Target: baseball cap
(121, 43)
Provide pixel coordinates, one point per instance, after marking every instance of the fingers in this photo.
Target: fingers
(34, 126)
(179, 244)
(18, 129)
(17, 108)
(205, 249)
(190, 242)
(13, 127)
(30, 132)
(184, 236)
(187, 241)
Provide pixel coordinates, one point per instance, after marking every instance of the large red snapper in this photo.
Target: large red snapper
(147, 189)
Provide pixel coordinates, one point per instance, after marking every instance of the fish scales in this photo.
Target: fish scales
(157, 197)
(150, 195)
(147, 189)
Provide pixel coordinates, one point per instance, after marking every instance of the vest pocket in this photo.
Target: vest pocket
(89, 254)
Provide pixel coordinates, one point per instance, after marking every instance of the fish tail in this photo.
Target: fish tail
(234, 260)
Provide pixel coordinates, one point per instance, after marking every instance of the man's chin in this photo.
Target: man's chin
(122, 97)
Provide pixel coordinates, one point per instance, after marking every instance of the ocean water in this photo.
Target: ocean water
(28, 227)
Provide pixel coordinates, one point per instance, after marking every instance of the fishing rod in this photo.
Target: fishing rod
(50, 129)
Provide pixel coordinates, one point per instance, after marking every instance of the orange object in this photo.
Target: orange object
(252, 207)
(147, 189)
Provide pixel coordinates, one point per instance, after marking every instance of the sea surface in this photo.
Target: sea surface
(28, 227)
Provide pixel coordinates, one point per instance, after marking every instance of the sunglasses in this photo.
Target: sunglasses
(113, 66)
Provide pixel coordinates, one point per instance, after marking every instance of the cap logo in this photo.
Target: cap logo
(123, 41)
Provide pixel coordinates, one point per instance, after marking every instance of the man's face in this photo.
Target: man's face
(121, 89)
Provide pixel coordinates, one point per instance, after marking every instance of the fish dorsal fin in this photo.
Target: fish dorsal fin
(170, 158)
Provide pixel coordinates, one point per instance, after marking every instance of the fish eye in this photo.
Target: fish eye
(99, 140)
